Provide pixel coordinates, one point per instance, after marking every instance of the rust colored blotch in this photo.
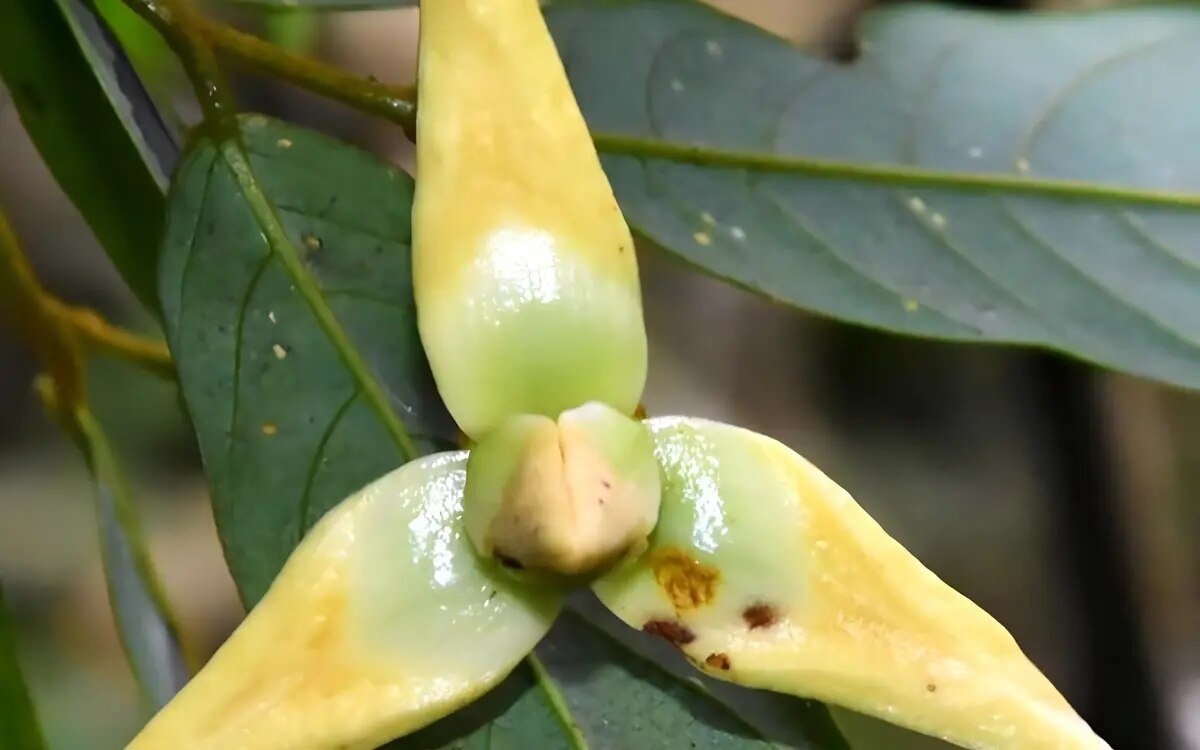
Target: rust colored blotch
(689, 584)
(673, 631)
(718, 661)
(760, 616)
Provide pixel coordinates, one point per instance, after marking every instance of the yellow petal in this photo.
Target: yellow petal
(524, 271)
(768, 574)
(381, 622)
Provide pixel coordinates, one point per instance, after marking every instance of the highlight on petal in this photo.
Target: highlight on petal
(768, 574)
(524, 271)
(382, 621)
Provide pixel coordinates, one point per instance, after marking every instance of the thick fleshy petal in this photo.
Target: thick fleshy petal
(382, 621)
(523, 268)
(768, 574)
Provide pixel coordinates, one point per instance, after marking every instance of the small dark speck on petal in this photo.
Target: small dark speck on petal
(672, 631)
(760, 616)
(718, 661)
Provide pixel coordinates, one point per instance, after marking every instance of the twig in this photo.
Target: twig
(183, 27)
(105, 338)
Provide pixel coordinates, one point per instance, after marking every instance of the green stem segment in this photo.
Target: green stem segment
(23, 306)
(391, 102)
(183, 27)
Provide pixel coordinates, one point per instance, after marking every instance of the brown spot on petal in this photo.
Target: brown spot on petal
(760, 616)
(688, 583)
(931, 687)
(672, 631)
(718, 661)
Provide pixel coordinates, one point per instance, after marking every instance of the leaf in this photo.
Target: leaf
(108, 156)
(291, 418)
(19, 728)
(286, 431)
(145, 623)
(932, 215)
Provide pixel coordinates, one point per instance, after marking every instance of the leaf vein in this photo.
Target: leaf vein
(311, 473)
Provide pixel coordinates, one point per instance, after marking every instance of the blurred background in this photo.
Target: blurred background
(1062, 499)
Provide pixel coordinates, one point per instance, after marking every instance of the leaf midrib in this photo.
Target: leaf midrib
(280, 245)
(641, 147)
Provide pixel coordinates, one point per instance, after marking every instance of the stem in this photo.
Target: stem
(184, 27)
(389, 101)
(147, 353)
(54, 329)
(23, 304)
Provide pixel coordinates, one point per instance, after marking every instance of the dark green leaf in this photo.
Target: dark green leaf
(1108, 273)
(286, 431)
(70, 100)
(291, 420)
(19, 729)
(145, 622)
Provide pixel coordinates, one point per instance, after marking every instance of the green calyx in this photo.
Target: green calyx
(565, 497)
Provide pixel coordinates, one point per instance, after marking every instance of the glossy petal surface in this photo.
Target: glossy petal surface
(382, 621)
(767, 573)
(524, 271)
